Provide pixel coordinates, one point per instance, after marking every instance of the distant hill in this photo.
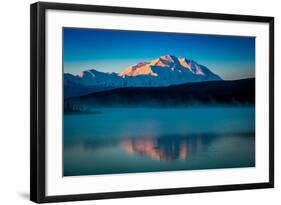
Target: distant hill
(211, 92)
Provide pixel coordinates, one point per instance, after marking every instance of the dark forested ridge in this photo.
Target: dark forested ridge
(211, 92)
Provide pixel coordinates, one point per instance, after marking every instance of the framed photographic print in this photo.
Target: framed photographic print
(129, 102)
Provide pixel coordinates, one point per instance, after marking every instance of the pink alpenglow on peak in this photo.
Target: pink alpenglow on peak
(185, 63)
(173, 65)
(164, 61)
(142, 68)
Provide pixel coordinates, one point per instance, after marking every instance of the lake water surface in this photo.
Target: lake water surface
(129, 140)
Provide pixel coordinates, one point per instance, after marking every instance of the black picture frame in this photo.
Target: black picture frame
(38, 109)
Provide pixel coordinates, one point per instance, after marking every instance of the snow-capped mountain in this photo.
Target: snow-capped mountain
(163, 71)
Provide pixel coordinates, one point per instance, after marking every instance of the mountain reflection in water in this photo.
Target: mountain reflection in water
(163, 149)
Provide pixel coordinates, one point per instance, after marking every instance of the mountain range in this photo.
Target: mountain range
(161, 72)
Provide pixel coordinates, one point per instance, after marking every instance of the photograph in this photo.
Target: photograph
(149, 101)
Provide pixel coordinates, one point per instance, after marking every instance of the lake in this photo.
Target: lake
(130, 140)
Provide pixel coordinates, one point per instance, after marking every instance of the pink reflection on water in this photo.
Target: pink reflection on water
(162, 150)
(142, 146)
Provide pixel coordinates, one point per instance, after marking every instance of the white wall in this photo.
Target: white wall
(14, 103)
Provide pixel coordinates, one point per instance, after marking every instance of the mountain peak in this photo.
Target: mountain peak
(168, 57)
(185, 63)
(165, 61)
(93, 73)
(181, 68)
(142, 68)
(87, 72)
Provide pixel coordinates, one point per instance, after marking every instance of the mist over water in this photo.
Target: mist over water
(126, 140)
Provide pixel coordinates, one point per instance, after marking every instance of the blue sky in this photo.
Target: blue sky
(231, 57)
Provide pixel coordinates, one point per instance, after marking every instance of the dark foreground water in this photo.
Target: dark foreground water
(127, 140)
